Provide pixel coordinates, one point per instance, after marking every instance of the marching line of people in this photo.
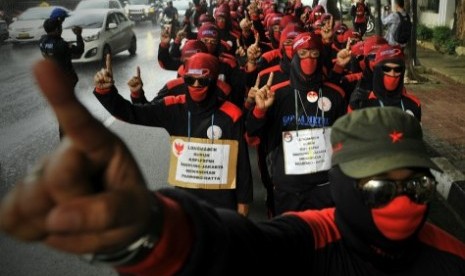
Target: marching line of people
(339, 142)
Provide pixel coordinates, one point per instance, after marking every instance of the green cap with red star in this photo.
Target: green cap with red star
(375, 140)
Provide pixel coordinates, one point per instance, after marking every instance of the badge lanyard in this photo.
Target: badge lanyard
(297, 95)
(401, 104)
(189, 126)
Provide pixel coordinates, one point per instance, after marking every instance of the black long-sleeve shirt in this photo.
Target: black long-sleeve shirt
(199, 240)
(56, 48)
(171, 113)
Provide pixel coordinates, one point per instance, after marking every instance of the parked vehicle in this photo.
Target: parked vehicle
(28, 27)
(141, 10)
(3, 31)
(105, 31)
(99, 4)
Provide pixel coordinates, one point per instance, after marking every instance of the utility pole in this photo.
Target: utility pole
(340, 11)
(378, 23)
(413, 41)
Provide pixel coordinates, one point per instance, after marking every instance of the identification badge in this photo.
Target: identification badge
(201, 163)
(307, 151)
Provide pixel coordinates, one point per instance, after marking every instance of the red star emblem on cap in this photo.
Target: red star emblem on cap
(396, 136)
(337, 147)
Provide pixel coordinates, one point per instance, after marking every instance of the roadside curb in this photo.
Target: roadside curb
(451, 185)
(433, 65)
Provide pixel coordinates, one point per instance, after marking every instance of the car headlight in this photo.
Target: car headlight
(92, 37)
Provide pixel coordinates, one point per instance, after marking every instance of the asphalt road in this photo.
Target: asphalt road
(28, 130)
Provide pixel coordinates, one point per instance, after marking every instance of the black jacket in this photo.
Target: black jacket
(171, 113)
(281, 117)
(299, 243)
(56, 48)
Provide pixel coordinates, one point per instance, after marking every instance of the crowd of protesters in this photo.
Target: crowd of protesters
(339, 145)
(292, 70)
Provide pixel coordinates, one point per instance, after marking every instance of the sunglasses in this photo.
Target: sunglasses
(190, 81)
(387, 69)
(211, 41)
(378, 193)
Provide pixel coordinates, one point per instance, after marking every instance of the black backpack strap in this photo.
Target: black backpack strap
(403, 17)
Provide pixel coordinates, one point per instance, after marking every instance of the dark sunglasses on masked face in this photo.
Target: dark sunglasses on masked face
(388, 69)
(391, 75)
(197, 81)
(197, 84)
(377, 191)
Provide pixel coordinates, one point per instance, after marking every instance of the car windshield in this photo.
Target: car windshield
(36, 13)
(84, 20)
(92, 4)
(138, 2)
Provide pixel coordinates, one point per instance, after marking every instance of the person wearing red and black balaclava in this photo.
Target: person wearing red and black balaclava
(199, 113)
(316, 13)
(303, 105)
(209, 34)
(280, 74)
(388, 82)
(230, 72)
(360, 13)
(175, 87)
(276, 60)
(365, 84)
(222, 17)
(274, 29)
(172, 60)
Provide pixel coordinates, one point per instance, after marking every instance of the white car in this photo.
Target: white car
(105, 31)
(140, 10)
(28, 27)
(99, 4)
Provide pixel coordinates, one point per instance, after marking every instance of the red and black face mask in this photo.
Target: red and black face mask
(381, 231)
(221, 23)
(201, 72)
(308, 65)
(387, 85)
(391, 82)
(198, 94)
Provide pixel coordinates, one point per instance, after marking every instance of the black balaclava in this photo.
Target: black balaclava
(287, 52)
(202, 65)
(340, 37)
(370, 46)
(210, 30)
(274, 36)
(299, 79)
(359, 231)
(388, 89)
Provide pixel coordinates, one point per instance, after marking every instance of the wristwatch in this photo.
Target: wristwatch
(137, 250)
